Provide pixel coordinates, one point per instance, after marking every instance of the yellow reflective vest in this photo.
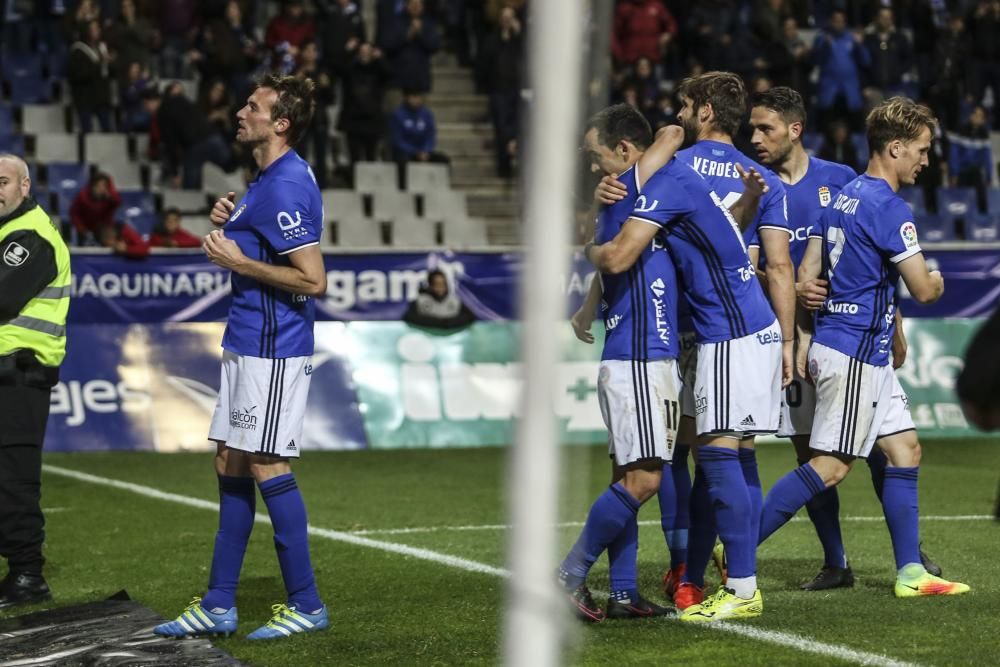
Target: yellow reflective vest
(41, 324)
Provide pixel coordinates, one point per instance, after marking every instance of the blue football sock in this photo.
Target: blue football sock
(291, 540)
(748, 461)
(678, 536)
(786, 497)
(607, 519)
(623, 555)
(824, 512)
(701, 535)
(237, 505)
(902, 514)
(731, 502)
(877, 463)
(667, 499)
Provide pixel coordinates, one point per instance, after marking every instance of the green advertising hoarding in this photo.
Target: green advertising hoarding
(418, 388)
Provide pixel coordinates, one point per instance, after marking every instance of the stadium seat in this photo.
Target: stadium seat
(63, 200)
(21, 66)
(342, 204)
(935, 228)
(915, 198)
(43, 118)
(126, 175)
(375, 176)
(993, 200)
(358, 233)
(217, 182)
(413, 232)
(136, 202)
(144, 223)
(12, 143)
(391, 204)
(187, 201)
(56, 65)
(463, 232)
(982, 227)
(29, 91)
(7, 125)
(956, 202)
(423, 177)
(65, 180)
(100, 148)
(57, 148)
(444, 204)
(199, 225)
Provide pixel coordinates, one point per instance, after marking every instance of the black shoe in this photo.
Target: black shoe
(642, 608)
(583, 606)
(830, 577)
(23, 588)
(929, 565)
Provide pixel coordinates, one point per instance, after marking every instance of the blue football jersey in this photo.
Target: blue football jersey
(704, 240)
(807, 200)
(281, 212)
(640, 305)
(867, 230)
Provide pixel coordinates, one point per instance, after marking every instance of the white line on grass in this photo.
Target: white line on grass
(788, 640)
(578, 524)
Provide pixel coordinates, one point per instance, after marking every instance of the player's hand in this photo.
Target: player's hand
(223, 209)
(222, 251)
(802, 359)
(787, 362)
(753, 181)
(899, 348)
(610, 190)
(581, 326)
(812, 293)
(936, 280)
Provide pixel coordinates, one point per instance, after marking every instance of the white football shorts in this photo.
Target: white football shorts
(798, 405)
(640, 403)
(262, 404)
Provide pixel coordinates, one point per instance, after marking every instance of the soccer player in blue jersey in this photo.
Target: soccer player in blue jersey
(865, 241)
(638, 384)
(270, 242)
(778, 119)
(739, 351)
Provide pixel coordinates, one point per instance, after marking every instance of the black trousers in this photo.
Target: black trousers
(24, 411)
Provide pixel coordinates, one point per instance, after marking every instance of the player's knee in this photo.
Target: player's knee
(831, 470)
(642, 484)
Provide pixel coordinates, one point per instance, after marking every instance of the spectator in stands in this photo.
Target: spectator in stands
(131, 39)
(411, 43)
(89, 77)
(662, 113)
(226, 50)
(970, 160)
(710, 29)
(134, 116)
(94, 207)
(642, 29)
(84, 12)
(176, 23)
(123, 240)
(502, 67)
(891, 54)
(841, 58)
(317, 138)
(342, 31)
(170, 234)
(949, 69)
(292, 26)
(437, 306)
(217, 106)
(413, 133)
(186, 139)
(984, 29)
(837, 146)
(361, 117)
(793, 61)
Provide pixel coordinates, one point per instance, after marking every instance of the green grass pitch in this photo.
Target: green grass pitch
(389, 609)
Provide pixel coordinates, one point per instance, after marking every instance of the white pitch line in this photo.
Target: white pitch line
(788, 640)
(579, 524)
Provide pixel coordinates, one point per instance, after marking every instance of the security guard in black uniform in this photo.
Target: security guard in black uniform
(34, 299)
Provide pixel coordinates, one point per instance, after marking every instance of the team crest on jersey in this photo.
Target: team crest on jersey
(238, 213)
(824, 196)
(15, 254)
(908, 232)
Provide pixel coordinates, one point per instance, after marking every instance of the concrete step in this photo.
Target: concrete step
(503, 230)
(444, 113)
(465, 129)
(481, 178)
(452, 85)
(472, 146)
(494, 206)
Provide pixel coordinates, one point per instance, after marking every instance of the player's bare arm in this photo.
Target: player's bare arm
(620, 253)
(925, 286)
(306, 275)
(781, 292)
(583, 318)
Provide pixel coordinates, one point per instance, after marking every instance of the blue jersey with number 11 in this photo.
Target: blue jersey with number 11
(866, 231)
